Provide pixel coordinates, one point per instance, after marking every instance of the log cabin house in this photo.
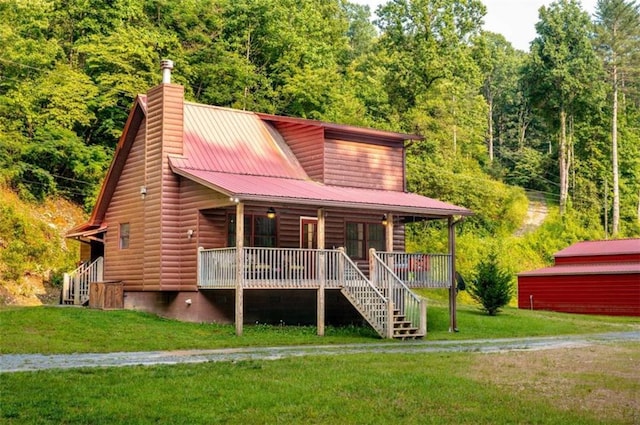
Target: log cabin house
(215, 214)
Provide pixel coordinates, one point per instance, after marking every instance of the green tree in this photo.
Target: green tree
(562, 72)
(491, 286)
(618, 42)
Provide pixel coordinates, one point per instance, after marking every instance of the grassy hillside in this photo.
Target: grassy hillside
(33, 250)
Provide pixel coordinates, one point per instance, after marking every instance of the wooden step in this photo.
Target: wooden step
(401, 324)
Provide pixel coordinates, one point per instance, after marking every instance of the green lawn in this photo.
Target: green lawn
(462, 388)
(348, 389)
(77, 330)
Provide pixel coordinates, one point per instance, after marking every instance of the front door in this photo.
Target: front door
(308, 233)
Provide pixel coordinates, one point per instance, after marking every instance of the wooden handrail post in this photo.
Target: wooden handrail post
(100, 267)
(341, 264)
(423, 317)
(372, 268)
(65, 287)
(76, 290)
(199, 266)
(390, 308)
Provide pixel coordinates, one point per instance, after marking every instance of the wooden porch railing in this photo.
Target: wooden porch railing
(268, 268)
(284, 268)
(75, 286)
(419, 270)
(405, 301)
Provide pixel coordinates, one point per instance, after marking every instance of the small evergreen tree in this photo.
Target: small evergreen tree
(491, 286)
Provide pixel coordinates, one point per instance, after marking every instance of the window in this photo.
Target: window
(124, 235)
(258, 231)
(363, 236)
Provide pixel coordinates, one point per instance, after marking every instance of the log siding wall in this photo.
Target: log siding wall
(363, 165)
(126, 206)
(212, 225)
(306, 142)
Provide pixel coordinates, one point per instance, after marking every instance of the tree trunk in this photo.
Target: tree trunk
(639, 206)
(490, 123)
(563, 162)
(614, 156)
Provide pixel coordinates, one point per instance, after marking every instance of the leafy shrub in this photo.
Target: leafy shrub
(491, 286)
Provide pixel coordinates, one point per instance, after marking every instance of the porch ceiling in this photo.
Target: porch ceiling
(308, 192)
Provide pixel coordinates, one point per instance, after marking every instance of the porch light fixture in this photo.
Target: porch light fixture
(143, 192)
(271, 213)
(384, 220)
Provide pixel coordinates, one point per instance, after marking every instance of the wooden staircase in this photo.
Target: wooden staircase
(391, 309)
(402, 328)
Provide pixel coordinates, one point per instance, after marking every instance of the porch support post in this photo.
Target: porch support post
(453, 321)
(321, 273)
(239, 267)
(389, 233)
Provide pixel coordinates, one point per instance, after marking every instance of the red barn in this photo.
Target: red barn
(594, 277)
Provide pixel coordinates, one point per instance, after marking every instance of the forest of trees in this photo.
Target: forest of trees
(563, 119)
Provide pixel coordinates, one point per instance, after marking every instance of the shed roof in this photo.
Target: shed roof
(594, 248)
(585, 269)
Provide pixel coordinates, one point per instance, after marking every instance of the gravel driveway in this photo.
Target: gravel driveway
(33, 362)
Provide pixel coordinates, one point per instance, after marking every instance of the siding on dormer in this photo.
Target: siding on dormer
(364, 165)
(306, 142)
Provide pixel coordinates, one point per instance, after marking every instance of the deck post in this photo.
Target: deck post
(239, 319)
(423, 317)
(453, 325)
(199, 267)
(100, 269)
(65, 287)
(390, 311)
(75, 281)
(321, 273)
(341, 276)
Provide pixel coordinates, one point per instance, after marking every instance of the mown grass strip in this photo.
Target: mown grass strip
(50, 330)
(349, 389)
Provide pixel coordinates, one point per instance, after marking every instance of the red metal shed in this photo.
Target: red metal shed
(593, 277)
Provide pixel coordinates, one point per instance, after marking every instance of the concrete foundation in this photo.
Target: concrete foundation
(269, 306)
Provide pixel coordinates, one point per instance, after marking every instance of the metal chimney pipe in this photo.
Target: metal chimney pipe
(166, 65)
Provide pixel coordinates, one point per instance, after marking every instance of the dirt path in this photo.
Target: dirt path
(536, 213)
(33, 362)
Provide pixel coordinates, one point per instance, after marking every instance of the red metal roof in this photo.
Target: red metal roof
(592, 248)
(584, 269)
(233, 141)
(241, 155)
(308, 192)
(341, 128)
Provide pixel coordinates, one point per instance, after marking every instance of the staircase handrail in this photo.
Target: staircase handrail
(76, 284)
(369, 300)
(405, 300)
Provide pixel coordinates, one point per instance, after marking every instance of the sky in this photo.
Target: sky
(515, 19)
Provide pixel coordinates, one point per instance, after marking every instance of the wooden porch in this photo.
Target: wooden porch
(293, 268)
(381, 294)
